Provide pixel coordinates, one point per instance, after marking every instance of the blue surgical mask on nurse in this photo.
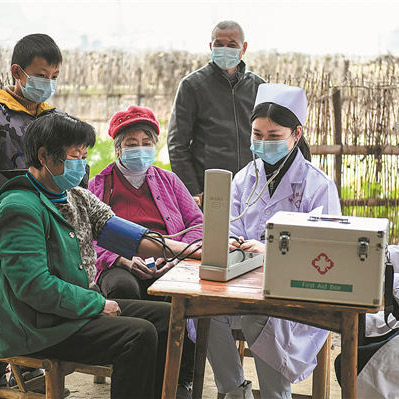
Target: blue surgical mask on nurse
(270, 151)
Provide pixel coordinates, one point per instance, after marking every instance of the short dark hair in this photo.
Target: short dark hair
(36, 45)
(228, 25)
(283, 117)
(56, 133)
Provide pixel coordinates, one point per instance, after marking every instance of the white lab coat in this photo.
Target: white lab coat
(287, 346)
(379, 378)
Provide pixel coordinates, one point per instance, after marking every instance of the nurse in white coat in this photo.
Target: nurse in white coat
(284, 351)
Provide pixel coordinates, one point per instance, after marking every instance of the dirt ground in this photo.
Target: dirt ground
(83, 387)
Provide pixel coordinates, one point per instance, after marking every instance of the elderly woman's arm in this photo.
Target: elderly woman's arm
(121, 236)
(128, 238)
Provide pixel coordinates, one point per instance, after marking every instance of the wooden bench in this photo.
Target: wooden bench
(54, 377)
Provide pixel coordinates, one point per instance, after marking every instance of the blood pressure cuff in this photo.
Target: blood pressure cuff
(121, 236)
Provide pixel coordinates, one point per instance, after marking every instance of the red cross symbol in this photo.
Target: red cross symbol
(322, 263)
(296, 199)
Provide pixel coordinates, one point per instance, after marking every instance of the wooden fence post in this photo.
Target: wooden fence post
(337, 106)
(139, 85)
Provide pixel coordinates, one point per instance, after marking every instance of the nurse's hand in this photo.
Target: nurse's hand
(234, 244)
(253, 246)
(164, 266)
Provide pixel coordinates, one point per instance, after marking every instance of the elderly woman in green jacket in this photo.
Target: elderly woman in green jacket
(47, 225)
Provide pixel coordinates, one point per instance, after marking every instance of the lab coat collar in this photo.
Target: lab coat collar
(294, 175)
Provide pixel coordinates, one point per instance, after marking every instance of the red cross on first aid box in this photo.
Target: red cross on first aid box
(325, 258)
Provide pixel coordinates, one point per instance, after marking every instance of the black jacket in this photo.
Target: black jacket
(210, 124)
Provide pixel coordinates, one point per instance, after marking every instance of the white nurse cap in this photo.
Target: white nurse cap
(291, 97)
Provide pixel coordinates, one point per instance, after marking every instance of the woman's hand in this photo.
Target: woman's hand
(199, 199)
(138, 267)
(111, 308)
(141, 270)
(164, 266)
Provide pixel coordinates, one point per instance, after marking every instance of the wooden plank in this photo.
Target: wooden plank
(18, 377)
(370, 202)
(99, 371)
(9, 393)
(354, 149)
(28, 362)
(326, 317)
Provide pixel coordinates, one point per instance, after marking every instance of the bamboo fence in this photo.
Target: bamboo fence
(352, 124)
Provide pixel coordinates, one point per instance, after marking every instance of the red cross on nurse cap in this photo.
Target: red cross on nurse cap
(290, 97)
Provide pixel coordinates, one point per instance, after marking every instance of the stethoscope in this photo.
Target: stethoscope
(272, 177)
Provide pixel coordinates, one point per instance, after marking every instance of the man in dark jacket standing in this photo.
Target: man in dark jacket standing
(209, 126)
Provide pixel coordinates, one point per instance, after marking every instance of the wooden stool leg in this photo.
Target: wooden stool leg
(55, 381)
(241, 350)
(18, 377)
(321, 374)
(99, 379)
(201, 347)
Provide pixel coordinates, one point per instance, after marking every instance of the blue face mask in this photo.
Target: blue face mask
(74, 170)
(270, 151)
(138, 159)
(38, 89)
(225, 57)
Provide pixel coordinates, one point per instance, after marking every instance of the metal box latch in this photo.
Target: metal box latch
(363, 248)
(284, 243)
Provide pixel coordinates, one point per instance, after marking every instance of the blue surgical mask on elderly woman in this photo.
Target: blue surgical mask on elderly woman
(74, 170)
(270, 151)
(226, 57)
(139, 158)
(38, 89)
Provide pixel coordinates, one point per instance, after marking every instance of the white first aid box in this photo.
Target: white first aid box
(325, 258)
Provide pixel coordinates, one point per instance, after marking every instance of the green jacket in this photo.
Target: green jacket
(44, 295)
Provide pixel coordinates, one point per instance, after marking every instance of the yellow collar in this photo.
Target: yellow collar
(11, 103)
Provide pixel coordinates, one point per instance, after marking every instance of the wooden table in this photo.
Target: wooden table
(202, 299)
